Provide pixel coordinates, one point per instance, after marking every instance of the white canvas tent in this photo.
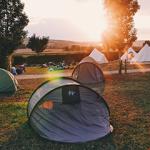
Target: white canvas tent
(128, 55)
(98, 56)
(142, 56)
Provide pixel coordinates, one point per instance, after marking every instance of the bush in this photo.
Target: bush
(18, 60)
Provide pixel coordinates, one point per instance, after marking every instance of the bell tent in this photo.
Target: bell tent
(99, 57)
(89, 73)
(63, 110)
(128, 55)
(8, 83)
(143, 56)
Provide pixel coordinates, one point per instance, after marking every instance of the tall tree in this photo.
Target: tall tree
(37, 44)
(146, 42)
(120, 32)
(12, 23)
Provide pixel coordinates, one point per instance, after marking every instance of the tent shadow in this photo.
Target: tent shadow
(25, 138)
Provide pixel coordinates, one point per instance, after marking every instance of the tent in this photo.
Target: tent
(87, 59)
(8, 83)
(128, 55)
(63, 110)
(89, 73)
(143, 55)
(98, 56)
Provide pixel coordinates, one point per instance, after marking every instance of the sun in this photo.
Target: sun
(91, 19)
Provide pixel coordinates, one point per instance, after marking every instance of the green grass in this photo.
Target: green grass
(128, 97)
(36, 70)
(115, 65)
(130, 110)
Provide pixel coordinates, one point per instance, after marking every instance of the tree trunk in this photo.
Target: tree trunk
(120, 66)
(3, 62)
(9, 59)
(6, 62)
(120, 63)
(125, 66)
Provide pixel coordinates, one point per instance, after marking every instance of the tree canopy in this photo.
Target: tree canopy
(146, 42)
(12, 23)
(120, 32)
(37, 44)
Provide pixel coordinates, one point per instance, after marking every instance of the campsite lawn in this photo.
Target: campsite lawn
(105, 67)
(128, 97)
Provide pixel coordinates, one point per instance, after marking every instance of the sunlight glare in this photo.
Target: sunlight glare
(140, 67)
(87, 16)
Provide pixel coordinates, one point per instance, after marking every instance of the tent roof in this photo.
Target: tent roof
(45, 88)
(126, 54)
(143, 55)
(8, 83)
(89, 72)
(87, 59)
(53, 117)
(98, 56)
(91, 75)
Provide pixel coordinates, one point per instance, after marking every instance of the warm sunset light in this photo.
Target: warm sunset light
(74, 74)
(78, 20)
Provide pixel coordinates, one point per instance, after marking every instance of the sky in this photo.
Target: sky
(77, 20)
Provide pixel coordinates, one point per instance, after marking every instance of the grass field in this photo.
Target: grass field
(128, 97)
(105, 67)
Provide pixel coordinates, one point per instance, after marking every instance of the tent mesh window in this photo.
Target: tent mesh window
(65, 111)
(70, 94)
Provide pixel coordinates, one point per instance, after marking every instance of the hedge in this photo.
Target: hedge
(47, 58)
(58, 58)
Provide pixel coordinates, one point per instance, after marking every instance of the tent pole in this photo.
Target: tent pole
(125, 66)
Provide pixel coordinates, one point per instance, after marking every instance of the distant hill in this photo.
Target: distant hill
(63, 44)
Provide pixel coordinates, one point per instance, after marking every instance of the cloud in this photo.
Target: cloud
(144, 7)
(143, 34)
(56, 29)
(82, 0)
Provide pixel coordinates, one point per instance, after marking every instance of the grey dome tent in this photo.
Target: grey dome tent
(8, 83)
(89, 73)
(62, 110)
(87, 59)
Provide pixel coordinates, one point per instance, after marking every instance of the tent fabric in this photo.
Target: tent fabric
(43, 89)
(8, 83)
(87, 59)
(142, 56)
(82, 121)
(98, 56)
(89, 74)
(128, 55)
